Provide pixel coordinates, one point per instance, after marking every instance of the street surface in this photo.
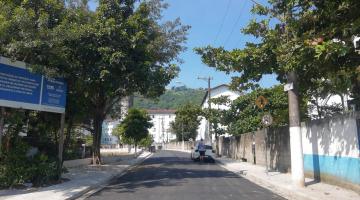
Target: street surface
(171, 175)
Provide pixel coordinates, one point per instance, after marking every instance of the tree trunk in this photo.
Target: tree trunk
(342, 103)
(98, 121)
(68, 133)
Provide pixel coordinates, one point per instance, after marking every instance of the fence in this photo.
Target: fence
(330, 146)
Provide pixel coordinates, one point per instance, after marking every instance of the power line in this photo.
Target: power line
(236, 22)
(255, 2)
(252, 14)
(223, 20)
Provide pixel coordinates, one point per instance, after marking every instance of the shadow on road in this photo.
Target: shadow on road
(165, 172)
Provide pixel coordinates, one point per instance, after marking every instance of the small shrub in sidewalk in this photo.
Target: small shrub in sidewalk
(16, 168)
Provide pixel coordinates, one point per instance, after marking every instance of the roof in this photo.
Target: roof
(161, 111)
(214, 88)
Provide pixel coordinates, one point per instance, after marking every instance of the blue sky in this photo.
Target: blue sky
(215, 23)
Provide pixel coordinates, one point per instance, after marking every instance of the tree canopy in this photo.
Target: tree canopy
(186, 122)
(134, 128)
(244, 115)
(311, 38)
(121, 48)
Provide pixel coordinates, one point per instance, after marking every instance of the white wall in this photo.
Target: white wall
(336, 136)
(331, 148)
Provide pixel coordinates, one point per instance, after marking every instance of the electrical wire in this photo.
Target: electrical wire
(236, 22)
(252, 14)
(223, 20)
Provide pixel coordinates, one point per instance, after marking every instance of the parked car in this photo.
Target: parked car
(209, 154)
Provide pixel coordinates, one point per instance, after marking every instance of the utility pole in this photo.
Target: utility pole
(297, 160)
(208, 136)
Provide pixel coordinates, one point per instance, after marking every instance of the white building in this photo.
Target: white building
(322, 105)
(107, 139)
(161, 130)
(218, 91)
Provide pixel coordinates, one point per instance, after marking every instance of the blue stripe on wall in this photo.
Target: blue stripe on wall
(346, 168)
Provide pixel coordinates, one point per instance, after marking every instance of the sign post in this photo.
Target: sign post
(2, 118)
(61, 142)
(19, 88)
(266, 120)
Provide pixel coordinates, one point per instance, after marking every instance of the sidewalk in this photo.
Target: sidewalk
(281, 183)
(82, 180)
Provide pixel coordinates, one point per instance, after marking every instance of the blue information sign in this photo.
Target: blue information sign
(19, 88)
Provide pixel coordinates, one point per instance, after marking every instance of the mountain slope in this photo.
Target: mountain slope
(172, 99)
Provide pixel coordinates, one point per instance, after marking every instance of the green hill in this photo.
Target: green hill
(172, 99)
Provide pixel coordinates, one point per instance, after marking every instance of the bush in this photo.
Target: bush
(43, 170)
(16, 168)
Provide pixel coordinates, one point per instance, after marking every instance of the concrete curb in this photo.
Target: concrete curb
(97, 187)
(278, 189)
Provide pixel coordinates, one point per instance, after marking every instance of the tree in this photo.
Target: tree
(244, 116)
(186, 122)
(312, 38)
(134, 128)
(147, 141)
(127, 45)
(299, 41)
(105, 55)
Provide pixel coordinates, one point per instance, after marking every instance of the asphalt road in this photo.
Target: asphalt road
(169, 175)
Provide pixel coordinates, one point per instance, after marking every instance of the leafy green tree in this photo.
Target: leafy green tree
(38, 42)
(302, 42)
(244, 116)
(147, 141)
(134, 128)
(125, 44)
(216, 115)
(105, 55)
(186, 122)
(311, 38)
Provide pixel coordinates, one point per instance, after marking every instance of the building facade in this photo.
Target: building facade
(108, 140)
(215, 92)
(319, 107)
(161, 130)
